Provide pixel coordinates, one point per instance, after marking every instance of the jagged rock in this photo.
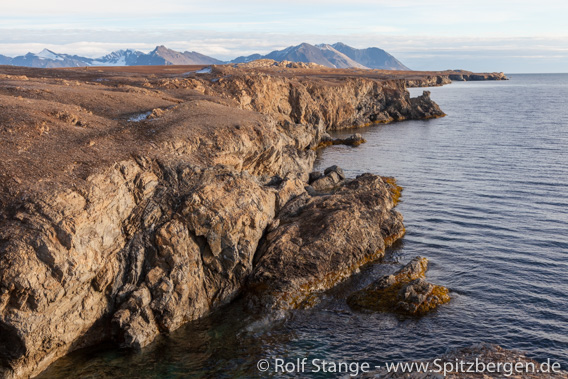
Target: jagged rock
(134, 322)
(314, 175)
(422, 108)
(404, 292)
(332, 177)
(320, 240)
(338, 170)
(121, 231)
(326, 104)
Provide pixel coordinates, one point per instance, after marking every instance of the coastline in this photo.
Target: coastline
(102, 235)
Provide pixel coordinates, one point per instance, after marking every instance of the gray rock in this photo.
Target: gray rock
(336, 169)
(314, 175)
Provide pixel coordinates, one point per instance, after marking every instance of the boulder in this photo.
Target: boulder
(404, 292)
(332, 177)
(336, 169)
(353, 140)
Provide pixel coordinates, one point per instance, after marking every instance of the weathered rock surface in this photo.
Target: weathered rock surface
(326, 103)
(404, 292)
(112, 229)
(317, 240)
(330, 179)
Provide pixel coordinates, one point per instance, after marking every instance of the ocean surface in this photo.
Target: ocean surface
(485, 200)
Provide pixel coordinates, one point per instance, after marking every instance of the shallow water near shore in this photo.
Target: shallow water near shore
(485, 199)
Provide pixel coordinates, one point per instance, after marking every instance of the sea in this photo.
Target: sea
(485, 200)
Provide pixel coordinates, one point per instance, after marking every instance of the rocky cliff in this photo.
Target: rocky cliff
(132, 203)
(446, 77)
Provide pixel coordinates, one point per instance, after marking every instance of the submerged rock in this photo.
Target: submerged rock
(404, 292)
(353, 140)
(319, 240)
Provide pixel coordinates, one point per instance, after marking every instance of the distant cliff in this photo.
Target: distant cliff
(446, 77)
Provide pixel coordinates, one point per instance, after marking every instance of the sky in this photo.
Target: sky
(483, 35)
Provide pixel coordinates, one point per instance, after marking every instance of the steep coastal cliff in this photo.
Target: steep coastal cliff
(446, 77)
(133, 203)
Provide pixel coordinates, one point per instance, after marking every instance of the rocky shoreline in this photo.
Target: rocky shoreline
(447, 77)
(132, 203)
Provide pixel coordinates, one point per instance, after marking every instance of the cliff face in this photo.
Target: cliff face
(446, 77)
(130, 206)
(323, 102)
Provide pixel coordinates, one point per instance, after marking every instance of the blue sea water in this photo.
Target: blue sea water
(485, 200)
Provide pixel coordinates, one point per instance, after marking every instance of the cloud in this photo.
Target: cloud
(417, 32)
(416, 51)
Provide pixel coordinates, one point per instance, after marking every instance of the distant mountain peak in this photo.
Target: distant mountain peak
(338, 55)
(162, 49)
(161, 55)
(339, 44)
(47, 54)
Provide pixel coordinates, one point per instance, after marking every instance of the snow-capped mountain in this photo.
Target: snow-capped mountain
(248, 58)
(337, 55)
(127, 57)
(161, 55)
(49, 59)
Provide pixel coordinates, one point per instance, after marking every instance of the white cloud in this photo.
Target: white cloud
(415, 31)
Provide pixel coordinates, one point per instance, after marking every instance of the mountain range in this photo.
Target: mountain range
(337, 55)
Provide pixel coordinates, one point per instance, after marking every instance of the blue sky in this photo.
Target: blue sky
(482, 35)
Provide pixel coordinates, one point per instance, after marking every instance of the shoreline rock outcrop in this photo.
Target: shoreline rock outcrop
(405, 292)
(446, 77)
(119, 230)
(320, 238)
(353, 140)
